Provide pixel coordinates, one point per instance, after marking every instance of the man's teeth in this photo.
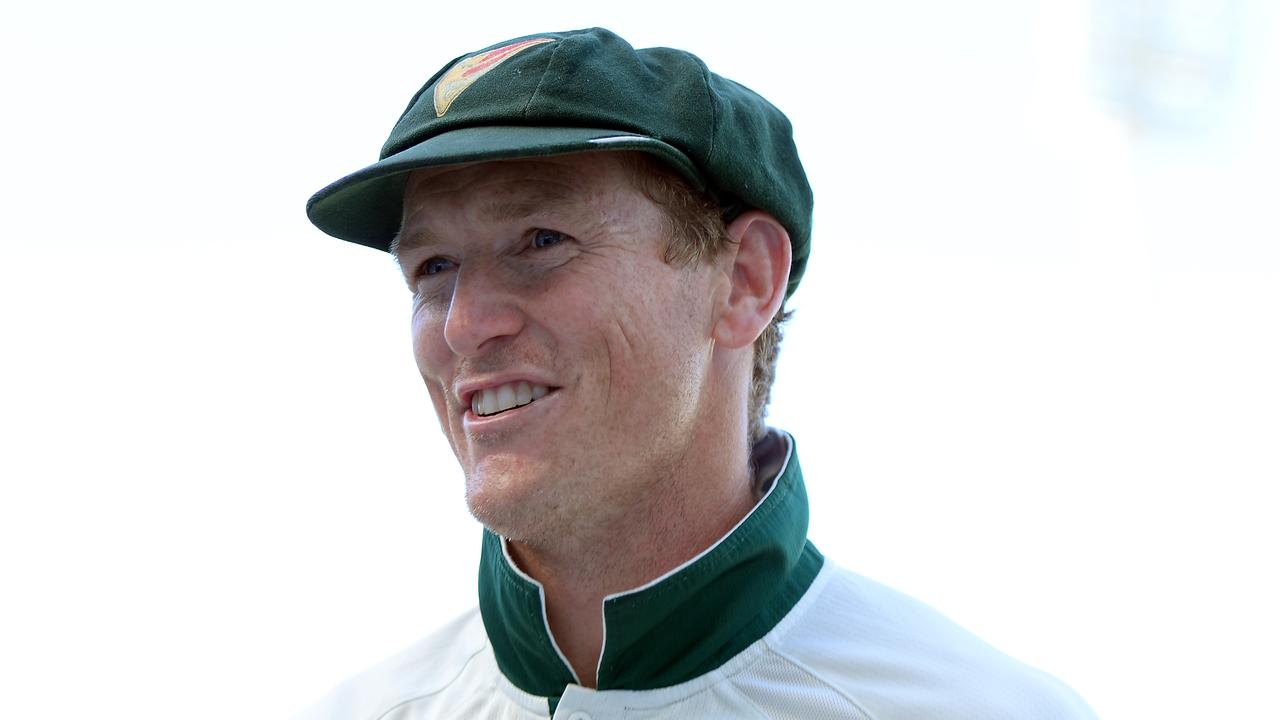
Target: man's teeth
(504, 397)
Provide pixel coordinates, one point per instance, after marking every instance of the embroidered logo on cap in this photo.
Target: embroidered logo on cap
(471, 69)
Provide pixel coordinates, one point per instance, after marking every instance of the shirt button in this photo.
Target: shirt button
(579, 715)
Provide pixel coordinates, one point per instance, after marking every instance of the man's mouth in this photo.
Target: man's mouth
(491, 401)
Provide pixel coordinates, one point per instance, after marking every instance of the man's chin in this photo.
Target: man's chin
(510, 499)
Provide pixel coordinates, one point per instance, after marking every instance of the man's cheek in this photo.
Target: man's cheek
(439, 402)
(430, 353)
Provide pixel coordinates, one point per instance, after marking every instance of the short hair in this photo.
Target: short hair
(697, 232)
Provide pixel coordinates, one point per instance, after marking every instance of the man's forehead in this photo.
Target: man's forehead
(511, 189)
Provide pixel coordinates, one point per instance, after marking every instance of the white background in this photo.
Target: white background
(1032, 372)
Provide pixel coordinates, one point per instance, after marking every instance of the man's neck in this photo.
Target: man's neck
(688, 512)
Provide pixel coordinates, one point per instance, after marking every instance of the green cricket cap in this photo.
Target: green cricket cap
(576, 91)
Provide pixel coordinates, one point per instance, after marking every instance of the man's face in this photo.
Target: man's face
(567, 362)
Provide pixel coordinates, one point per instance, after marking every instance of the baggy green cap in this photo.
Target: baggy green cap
(576, 91)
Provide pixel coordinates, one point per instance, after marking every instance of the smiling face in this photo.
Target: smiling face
(570, 366)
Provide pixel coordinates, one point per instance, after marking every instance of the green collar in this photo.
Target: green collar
(680, 626)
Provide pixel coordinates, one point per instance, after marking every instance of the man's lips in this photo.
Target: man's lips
(494, 395)
(512, 417)
(493, 400)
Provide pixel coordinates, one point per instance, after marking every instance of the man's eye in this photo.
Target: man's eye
(434, 265)
(546, 238)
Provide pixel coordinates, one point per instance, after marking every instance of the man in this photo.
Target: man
(599, 242)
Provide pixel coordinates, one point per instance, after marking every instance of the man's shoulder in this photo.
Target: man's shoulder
(449, 667)
(899, 658)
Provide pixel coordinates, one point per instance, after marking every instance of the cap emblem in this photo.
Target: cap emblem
(471, 69)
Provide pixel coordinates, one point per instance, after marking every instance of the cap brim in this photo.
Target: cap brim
(365, 207)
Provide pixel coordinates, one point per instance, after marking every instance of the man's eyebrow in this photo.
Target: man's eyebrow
(401, 243)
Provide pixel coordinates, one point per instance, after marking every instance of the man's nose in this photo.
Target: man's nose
(482, 309)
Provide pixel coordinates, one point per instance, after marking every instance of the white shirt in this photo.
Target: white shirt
(808, 640)
(851, 648)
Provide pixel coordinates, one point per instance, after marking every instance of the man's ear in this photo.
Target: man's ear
(758, 280)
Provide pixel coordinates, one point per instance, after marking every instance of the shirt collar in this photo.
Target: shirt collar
(678, 626)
